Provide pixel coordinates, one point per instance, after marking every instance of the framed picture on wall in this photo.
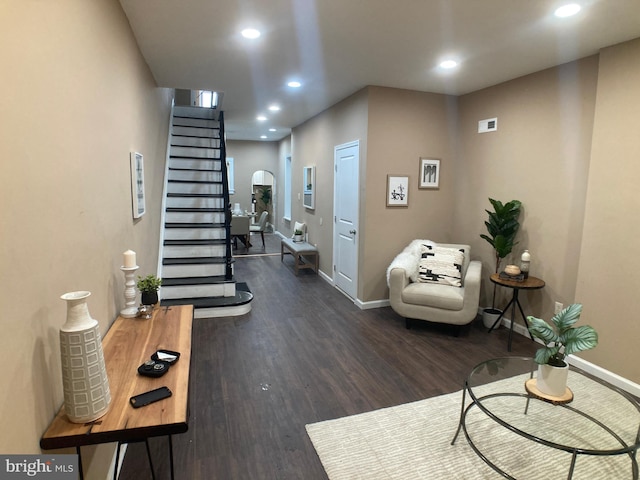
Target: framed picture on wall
(429, 173)
(397, 191)
(137, 184)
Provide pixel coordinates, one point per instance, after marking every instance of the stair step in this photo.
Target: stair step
(194, 142)
(206, 250)
(192, 210)
(190, 181)
(194, 270)
(178, 174)
(209, 201)
(195, 241)
(194, 122)
(173, 282)
(195, 112)
(199, 290)
(193, 261)
(206, 218)
(241, 298)
(196, 132)
(195, 234)
(178, 163)
(188, 226)
(194, 152)
(195, 188)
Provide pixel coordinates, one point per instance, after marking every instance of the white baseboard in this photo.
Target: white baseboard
(374, 304)
(591, 368)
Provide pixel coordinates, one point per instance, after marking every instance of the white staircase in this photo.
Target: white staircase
(194, 264)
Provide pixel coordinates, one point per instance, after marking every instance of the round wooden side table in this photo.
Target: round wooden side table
(530, 283)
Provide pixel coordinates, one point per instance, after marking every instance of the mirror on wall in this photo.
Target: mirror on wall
(309, 187)
(262, 192)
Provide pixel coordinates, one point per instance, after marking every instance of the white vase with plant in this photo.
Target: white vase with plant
(560, 340)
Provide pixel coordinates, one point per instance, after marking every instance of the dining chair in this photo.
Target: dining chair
(260, 226)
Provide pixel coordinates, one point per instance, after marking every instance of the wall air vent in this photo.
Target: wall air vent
(488, 125)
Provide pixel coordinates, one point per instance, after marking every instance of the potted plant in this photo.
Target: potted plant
(148, 287)
(502, 227)
(297, 236)
(560, 340)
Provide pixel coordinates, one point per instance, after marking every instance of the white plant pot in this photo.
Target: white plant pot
(489, 316)
(297, 238)
(552, 380)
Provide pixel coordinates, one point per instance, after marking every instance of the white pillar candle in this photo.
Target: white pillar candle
(129, 259)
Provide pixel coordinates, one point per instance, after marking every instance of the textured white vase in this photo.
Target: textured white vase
(552, 380)
(84, 376)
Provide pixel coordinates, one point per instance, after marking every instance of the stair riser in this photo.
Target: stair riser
(181, 271)
(188, 217)
(196, 132)
(195, 176)
(194, 152)
(194, 122)
(196, 291)
(195, 188)
(182, 141)
(194, 202)
(194, 234)
(186, 164)
(195, 112)
(186, 251)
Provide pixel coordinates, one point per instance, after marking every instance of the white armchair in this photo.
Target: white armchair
(433, 302)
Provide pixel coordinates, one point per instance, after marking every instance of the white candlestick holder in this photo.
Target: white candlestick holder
(130, 310)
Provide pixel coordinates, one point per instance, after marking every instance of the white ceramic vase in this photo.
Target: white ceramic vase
(489, 316)
(84, 376)
(552, 380)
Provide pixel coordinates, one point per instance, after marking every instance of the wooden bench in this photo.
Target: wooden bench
(300, 250)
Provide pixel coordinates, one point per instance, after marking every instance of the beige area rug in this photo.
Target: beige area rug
(412, 441)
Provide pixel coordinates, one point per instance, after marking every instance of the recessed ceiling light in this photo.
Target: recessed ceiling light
(567, 10)
(274, 108)
(272, 130)
(448, 64)
(294, 84)
(263, 136)
(250, 33)
(261, 118)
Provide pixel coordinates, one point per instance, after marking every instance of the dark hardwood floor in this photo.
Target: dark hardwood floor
(305, 353)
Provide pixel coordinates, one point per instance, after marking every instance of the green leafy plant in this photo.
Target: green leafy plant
(150, 283)
(502, 227)
(266, 195)
(298, 232)
(563, 338)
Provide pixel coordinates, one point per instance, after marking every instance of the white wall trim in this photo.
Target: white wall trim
(373, 304)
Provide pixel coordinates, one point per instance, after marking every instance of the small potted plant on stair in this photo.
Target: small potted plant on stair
(148, 287)
(560, 340)
(502, 227)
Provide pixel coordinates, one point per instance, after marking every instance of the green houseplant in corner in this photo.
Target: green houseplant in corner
(148, 287)
(560, 340)
(502, 227)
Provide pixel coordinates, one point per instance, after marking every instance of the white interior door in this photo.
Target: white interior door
(345, 234)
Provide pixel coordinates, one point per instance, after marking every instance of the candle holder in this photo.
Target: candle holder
(130, 310)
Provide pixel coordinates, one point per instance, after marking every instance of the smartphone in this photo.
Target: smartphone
(151, 396)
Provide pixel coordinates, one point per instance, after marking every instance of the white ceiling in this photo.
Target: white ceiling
(337, 47)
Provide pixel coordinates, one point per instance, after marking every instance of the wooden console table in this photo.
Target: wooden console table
(129, 343)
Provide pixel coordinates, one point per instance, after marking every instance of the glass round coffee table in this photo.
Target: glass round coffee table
(596, 435)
